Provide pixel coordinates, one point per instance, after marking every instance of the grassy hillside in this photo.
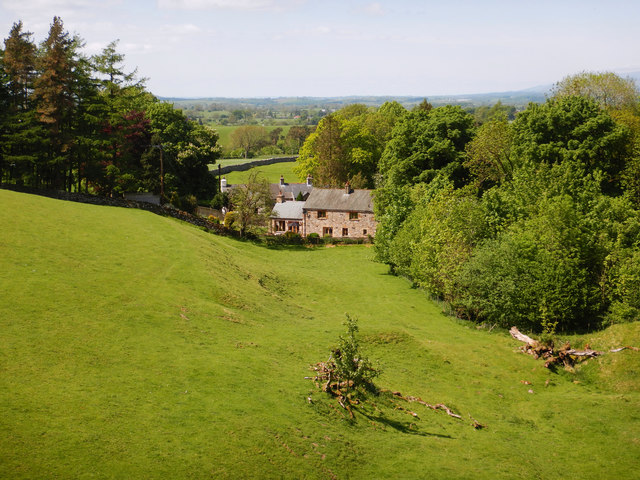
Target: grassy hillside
(135, 346)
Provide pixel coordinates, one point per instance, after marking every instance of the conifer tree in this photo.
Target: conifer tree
(53, 91)
(20, 132)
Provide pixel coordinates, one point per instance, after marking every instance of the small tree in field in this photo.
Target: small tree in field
(251, 203)
(352, 368)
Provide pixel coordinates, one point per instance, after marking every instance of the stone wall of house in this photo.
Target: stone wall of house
(363, 226)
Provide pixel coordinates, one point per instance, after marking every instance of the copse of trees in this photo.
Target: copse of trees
(542, 231)
(347, 145)
(74, 122)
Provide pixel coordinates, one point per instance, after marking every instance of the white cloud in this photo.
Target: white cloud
(130, 48)
(247, 5)
(63, 5)
(93, 48)
(322, 30)
(184, 29)
(375, 9)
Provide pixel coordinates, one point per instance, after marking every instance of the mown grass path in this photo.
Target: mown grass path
(136, 346)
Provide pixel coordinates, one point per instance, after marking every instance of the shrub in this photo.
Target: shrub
(270, 150)
(314, 239)
(536, 275)
(293, 238)
(626, 304)
(219, 200)
(186, 203)
(229, 218)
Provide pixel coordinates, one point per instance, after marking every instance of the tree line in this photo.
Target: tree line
(531, 221)
(81, 123)
(249, 140)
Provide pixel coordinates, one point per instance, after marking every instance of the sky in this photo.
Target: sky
(281, 48)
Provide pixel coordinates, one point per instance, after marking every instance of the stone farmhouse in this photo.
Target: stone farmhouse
(334, 212)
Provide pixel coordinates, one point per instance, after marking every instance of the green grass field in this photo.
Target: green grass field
(270, 172)
(225, 131)
(136, 346)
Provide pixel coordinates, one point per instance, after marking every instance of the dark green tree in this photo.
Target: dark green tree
(573, 129)
(424, 142)
(21, 135)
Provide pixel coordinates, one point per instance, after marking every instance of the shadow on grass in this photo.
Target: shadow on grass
(408, 428)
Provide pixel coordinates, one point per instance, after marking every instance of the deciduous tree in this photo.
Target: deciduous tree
(251, 203)
(607, 89)
(249, 138)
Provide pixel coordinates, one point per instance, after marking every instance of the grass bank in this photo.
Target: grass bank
(133, 345)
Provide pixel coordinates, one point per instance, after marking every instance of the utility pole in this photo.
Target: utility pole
(160, 147)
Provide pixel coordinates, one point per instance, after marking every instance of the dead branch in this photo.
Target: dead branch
(552, 355)
(476, 424)
(437, 406)
(583, 353)
(635, 349)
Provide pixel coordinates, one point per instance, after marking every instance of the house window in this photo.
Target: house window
(322, 214)
(279, 225)
(364, 232)
(345, 232)
(353, 215)
(327, 231)
(294, 227)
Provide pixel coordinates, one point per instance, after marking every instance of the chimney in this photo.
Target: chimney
(309, 181)
(347, 188)
(280, 197)
(281, 180)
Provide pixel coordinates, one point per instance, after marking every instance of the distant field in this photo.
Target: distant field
(136, 346)
(224, 131)
(270, 172)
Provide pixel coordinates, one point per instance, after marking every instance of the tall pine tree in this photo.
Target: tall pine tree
(55, 105)
(20, 132)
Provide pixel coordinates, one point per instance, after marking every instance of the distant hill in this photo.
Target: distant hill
(519, 98)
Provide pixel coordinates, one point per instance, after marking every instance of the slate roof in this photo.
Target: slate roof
(289, 190)
(336, 199)
(288, 210)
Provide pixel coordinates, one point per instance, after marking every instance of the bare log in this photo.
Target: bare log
(515, 333)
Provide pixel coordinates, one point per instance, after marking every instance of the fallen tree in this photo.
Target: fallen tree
(552, 355)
